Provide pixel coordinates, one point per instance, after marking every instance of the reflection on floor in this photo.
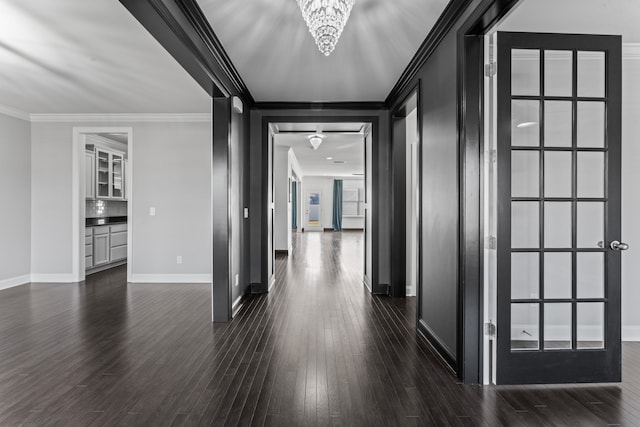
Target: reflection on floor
(318, 349)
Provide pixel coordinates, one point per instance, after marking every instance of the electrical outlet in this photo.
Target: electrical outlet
(237, 280)
(179, 259)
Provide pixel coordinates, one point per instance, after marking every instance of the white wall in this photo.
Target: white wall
(281, 176)
(171, 172)
(351, 222)
(324, 184)
(15, 191)
(630, 196)
(412, 177)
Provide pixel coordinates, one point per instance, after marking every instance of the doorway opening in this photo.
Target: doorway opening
(102, 188)
(319, 185)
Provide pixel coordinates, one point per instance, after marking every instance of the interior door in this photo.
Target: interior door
(314, 211)
(559, 135)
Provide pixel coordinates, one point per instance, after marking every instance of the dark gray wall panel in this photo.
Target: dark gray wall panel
(438, 299)
(438, 291)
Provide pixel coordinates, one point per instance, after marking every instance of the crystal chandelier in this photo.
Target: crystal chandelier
(326, 19)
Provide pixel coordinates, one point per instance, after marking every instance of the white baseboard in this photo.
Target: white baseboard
(235, 303)
(15, 281)
(171, 278)
(631, 333)
(53, 278)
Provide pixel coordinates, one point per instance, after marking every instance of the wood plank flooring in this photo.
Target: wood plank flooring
(317, 350)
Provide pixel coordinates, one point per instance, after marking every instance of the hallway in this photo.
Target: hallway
(316, 350)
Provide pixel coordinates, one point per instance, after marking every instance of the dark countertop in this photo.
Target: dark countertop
(90, 222)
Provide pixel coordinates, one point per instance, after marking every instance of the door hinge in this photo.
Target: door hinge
(491, 242)
(492, 156)
(490, 69)
(490, 330)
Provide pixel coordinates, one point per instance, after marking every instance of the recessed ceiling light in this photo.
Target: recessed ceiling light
(329, 158)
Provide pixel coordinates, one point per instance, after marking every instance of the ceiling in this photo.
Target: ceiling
(619, 17)
(70, 56)
(270, 45)
(343, 143)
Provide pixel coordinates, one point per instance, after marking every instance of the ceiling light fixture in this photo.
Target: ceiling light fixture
(329, 158)
(315, 140)
(526, 124)
(326, 19)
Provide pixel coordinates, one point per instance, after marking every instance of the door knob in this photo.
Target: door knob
(619, 246)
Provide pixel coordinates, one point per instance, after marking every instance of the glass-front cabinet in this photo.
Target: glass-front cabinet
(110, 174)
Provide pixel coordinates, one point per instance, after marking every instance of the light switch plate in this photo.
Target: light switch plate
(152, 211)
(246, 212)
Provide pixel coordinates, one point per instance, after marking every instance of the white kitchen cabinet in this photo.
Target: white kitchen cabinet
(109, 174)
(105, 244)
(118, 243)
(101, 246)
(90, 174)
(88, 248)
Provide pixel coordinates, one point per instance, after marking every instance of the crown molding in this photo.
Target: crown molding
(318, 106)
(444, 24)
(182, 29)
(133, 117)
(201, 24)
(15, 113)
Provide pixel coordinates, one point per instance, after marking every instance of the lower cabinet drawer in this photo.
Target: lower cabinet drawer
(103, 229)
(88, 240)
(88, 262)
(118, 228)
(118, 253)
(118, 239)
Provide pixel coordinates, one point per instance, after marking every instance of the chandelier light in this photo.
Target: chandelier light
(315, 140)
(326, 19)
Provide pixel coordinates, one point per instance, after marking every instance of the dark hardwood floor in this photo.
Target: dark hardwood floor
(317, 350)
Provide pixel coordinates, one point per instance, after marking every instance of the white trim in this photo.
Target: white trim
(14, 112)
(53, 278)
(630, 50)
(15, 281)
(102, 142)
(235, 303)
(78, 198)
(115, 118)
(128, 192)
(171, 278)
(631, 333)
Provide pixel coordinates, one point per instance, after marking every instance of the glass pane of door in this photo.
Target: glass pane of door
(313, 210)
(117, 183)
(102, 168)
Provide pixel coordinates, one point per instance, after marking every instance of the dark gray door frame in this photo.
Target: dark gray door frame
(470, 65)
(221, 225)
(376, 287)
